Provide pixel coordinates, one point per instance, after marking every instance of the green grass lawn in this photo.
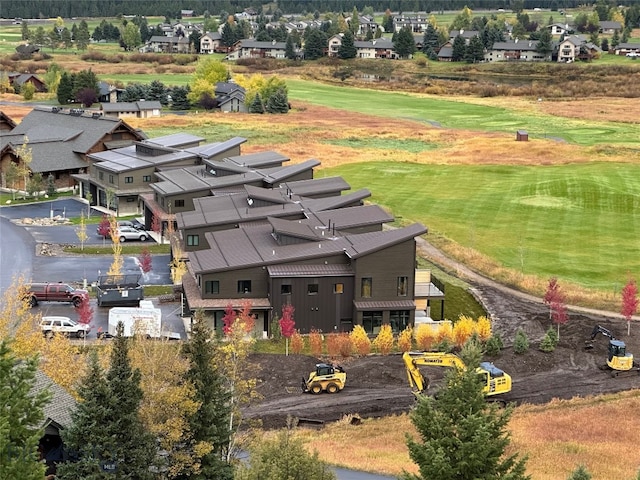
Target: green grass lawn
(456, 114)
(576, 222)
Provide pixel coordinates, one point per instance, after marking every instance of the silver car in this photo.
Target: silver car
(129, 233)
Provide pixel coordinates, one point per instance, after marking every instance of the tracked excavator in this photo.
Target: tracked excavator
(618, 360)
(495, 381)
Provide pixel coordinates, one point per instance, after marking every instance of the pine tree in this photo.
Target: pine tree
(82, 37)
(544, 46)
(459, 49)
(404, 43)
(256, 105)
(290, 51)
(65, 89)
(21, 417)
(179, 100)
(475, 51)
(430, 40)
(210, 425)
(278, 102)
(461, 435)
(347, 48)
(106, 432)
(314, 45)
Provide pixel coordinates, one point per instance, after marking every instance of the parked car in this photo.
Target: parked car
(132, 223)
(633, 54)
(130, 233)
(65, 326)
(56, 292)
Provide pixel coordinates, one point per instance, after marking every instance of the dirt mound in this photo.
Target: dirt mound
(377, 385)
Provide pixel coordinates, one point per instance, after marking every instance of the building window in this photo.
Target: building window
(131, 199)
(366, 285)
(212, 286)
(312, 289)
(338, 288)
(193, 240)
(101, 175)
(244, 286)
(399, 320)
(371, 322)
(178, 203)
(403, 286)
(285, 289)
(146, 178)
(110, 178)
(128, 179)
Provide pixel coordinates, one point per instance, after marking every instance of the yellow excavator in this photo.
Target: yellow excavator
(325, 378)
(495, 381)
(618, 359)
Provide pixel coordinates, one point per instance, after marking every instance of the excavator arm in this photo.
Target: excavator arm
(495, 380)
(414, 359)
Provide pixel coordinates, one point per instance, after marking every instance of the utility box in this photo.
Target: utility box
(522, 136)
(119, 290)
(144, 320)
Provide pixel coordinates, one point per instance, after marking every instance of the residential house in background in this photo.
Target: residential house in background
(109, 93)
(141, 109)
(609, 28)
(466, 35)
(6, 122)
(516, 50)
(211, 42)
(230, 97)
(256, 49)
(61, 141)
(417, 22)
(163, 44)
(626, 48)
(19, 80)
(560, 28)
(376, 48)
(576, 47)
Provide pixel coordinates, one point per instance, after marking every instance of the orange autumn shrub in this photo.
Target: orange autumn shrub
(383, 343)
(462, 330)
(405, 340)
(315, 342)
(360, 340)
(483, 328)
(297, 342)
(425, 337)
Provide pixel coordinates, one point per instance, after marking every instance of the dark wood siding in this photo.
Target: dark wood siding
(229, 283)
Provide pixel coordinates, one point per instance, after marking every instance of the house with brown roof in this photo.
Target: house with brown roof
(19, 80)
(61, 140)
(335, 280)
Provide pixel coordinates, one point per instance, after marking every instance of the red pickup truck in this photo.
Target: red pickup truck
(56, 292)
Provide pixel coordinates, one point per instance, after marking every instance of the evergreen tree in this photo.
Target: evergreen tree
(290, 51)
(210, 424)
(65, 89)
(580, 473)
(474, 51)
(387, 22)
(179, 100)
(157, 91)
(315, 44)
(461, 435)
(278, 102)
(82, 37)
(347, 48)
(545, 46)
(404, 43)
(256, 105)
(459, 49)
(106, 431)
(228, 36)
(430, 40)
(25, 34)
(354, 23)
(615, 39)
(21, 417)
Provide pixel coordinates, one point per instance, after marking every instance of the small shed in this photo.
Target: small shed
(522, 136)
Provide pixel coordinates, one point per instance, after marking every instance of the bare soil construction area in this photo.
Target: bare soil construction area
(377, 385)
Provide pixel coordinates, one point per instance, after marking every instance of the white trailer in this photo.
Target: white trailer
(144, 320)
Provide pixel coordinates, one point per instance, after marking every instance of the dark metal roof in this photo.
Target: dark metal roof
(329, 270)
(316, 186)
(259, 159)
(272, 195)
(211, 149)
(111, 107)
(175, 140)
(385, 305)
(351, 217)
(252, 246)
(279, 175)
(337, 201)
(295, 229)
